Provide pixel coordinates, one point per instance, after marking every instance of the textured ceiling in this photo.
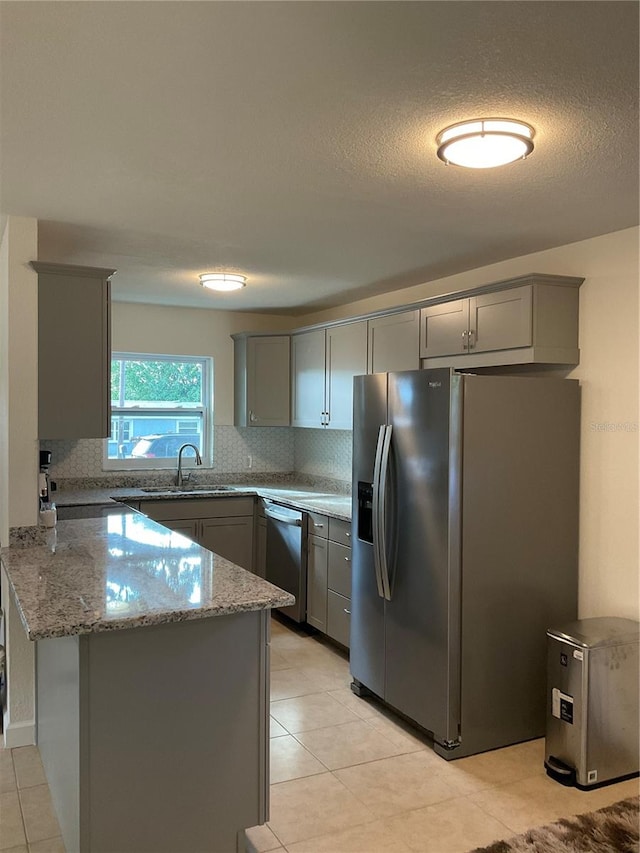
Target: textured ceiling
(294, 142)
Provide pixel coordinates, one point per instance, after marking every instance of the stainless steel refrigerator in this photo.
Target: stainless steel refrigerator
(465, 548)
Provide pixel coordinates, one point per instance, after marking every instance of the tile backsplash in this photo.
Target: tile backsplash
(325, 453)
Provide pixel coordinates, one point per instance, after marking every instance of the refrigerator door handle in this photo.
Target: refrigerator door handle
(384, 470)
(376, 509)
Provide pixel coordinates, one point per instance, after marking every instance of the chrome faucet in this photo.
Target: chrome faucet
(179, 475)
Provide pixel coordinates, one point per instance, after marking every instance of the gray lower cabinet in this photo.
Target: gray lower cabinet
(190, 529)
(329, 577)
(74, 345)
(338, 617)
(156, 738)
(231, 538)
(222, 525)
(317, 583)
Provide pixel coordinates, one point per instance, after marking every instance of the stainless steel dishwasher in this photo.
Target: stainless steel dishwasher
(287, 555)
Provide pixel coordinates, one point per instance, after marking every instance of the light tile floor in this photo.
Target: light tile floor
(27, 819)
(347, 776)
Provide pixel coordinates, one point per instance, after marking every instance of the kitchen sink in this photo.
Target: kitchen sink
(188, 488)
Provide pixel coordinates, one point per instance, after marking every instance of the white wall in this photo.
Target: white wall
(18, 448)
(608, 373)
(191, 331)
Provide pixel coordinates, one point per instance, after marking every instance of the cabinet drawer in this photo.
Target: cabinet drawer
(340, 531)
(318, 525)
(197, 508)
(339, 570)
(338, 617)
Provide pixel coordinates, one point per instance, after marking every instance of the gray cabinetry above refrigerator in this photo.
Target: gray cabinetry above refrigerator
(533, 321)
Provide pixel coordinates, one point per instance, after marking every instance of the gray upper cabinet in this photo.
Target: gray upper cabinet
(444, 328)
(74, 346)
(262, 380)
(307, 379)
(501, 320)
(323, 364)
(346, 358)
(532, 319)
(394, 342)
(535, 321)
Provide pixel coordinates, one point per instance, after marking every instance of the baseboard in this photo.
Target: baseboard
(19, 734)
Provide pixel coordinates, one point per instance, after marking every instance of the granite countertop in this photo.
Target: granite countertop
(300, 497)
(126, 571)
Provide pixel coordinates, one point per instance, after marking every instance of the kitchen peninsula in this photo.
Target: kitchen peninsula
(152, 684)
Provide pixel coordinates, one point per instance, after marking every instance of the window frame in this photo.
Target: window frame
(205, 409)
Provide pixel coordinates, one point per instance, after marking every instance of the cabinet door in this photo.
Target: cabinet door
(317, 583)
(268, 381)
(346, 358)
(307, 379)
(74, 351)
(444, 328)
(185, 527)
(231, 538)
(394, 342)
(501, 320)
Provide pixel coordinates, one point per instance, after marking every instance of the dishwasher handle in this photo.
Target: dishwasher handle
(290, 517)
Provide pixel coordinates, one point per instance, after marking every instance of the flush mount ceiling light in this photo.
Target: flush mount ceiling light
(222, 281)
(483, 143)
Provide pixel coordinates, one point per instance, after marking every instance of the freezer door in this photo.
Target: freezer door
(367, 607)
(422, 615)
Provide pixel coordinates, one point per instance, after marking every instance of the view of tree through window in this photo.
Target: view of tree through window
(159, 383)
(158, 403)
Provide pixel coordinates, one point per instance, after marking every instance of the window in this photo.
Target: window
(158, 403)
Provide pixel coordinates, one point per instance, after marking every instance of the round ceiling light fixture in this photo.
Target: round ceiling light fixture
(222, 281)
(484, 143)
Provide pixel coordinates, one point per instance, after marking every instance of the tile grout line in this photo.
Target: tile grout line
(24, 825)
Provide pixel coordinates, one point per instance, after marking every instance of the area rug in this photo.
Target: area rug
(613, 829)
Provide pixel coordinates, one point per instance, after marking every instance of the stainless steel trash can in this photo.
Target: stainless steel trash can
(592, 702)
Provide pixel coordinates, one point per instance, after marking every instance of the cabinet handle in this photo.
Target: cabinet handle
(253, 417)
(348, 535)
(347, 559)
(348, 612)
(471, 334)
(319, 526)
(464, 339)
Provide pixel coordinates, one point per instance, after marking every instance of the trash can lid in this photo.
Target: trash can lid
(600, 631)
